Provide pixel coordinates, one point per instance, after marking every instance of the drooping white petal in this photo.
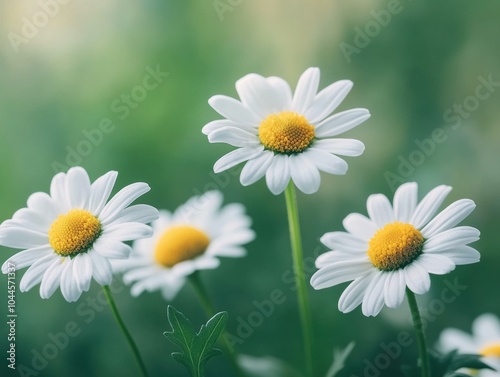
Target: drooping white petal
(325, 161)
(77, 187)
(339, 272)
(27, 257)
(101, 268)
(341, 122)
(170, 290)
(82, 271)
(69, 286)
(343, 241)
(111, 248)
(354, 293)
(343, 147)
(417, 278)
(234, 110)
(451, 238)
(394, 289)
(149, 284)
(306, 89)
(373, 300)
(51, 278)
(237, 156)
(278, 174)
(429, 205)
(256, 168)
(405, 201)
(233, 136)
(305, 175)
(327, 100)
(360, 226)
(100, 191)
(122, 200)
(437, 264)
(34, 274)
(449, 217)
(380, 210)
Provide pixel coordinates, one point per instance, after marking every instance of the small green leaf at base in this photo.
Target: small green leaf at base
(196, 348)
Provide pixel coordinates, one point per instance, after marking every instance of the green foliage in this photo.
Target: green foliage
(196, 348)
(448, 365)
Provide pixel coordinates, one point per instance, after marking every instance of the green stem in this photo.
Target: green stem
(121, 324)
(210, 311)
(300, 278)
(417, 324)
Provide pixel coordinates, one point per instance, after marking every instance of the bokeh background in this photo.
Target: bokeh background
(74, 69)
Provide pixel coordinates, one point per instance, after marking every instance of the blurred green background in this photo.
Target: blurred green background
(416, 64)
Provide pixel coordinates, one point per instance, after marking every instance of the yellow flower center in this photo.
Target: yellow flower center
(180, 243)
(491, 350)
(286, 132)
(74, 232)
(395, 246)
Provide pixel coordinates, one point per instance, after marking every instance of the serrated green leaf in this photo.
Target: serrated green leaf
(197, 348)
(468, 361)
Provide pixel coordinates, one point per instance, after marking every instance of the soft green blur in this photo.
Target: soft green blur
(70, 77)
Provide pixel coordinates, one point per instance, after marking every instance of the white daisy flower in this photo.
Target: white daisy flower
(396, 247)
(282, 136)
(69, 236)
(485, 341)
(190, 239)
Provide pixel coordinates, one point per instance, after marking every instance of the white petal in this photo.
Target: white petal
(58, 192)
(343, 241)
(82, 271)
(150, 284)
(27, 257)
(256, 168)
(127, 231)
(111, 249)
(354, 293)
(453, 339)
(101, 268)
(233, 136)
(341, 122)
(373, 300)
(234, 110)
(359, 226)
(170, 291)
(325, 259)
(30, 219)
(51, 278)
(417, 278)
(221, 123)
(22, 238)
(405, 201)
(69, 287)
(278, 174)
(77, 187)
(237, 156)
(394, 289)
(258, 94)
(326, 161)
(210, 263)
(328, 100)
(339, 272)
(122, 200)
(451, 238)
(34, 274)
(343, 147)
(282, 86)
(306, 89)
(436, 263)
(44, 205)
(486, 327)
(380, 210)
(449, 217)
(140, 273)
(100, 191)
(460, 255)
(429, 205)
(305, 175)
(140, 213)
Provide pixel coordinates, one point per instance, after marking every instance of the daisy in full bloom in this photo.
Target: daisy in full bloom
(285, 136)
(189, 239)
(69, 236)
(485, 341)
(396, 247)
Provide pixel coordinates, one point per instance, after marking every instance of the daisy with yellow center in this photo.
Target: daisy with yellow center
(284, 136)
(485, 341)
(185, 241)
(395, 248)
(69, 236)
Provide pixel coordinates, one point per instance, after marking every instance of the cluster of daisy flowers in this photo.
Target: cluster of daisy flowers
(78, 232)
